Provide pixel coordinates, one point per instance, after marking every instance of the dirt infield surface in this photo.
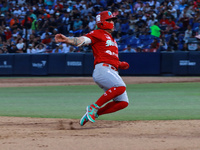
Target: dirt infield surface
(66, 134)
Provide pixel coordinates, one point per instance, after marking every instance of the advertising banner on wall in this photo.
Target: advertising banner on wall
(74, 63)
(6, 64)
(39, 65)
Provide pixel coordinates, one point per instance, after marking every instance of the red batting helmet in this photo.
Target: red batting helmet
(101, 20)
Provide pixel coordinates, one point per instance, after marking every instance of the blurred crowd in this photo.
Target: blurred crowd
(29, 26)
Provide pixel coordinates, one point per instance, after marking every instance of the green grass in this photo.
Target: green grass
(156, 101)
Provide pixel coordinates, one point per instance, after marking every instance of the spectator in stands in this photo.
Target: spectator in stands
(129, 49)
(132, 21)
(171, 26)
(154, 46)
(47, 39)
(12, 48)
(13, 39)
(85, 21)
(72, 49)
(21, 46)
(57, 49)
(14, 23)
(1, 51)
(172, 10)
(50, 10)
(141, 7)
(77, 24)
(26, 24)
(49, 3)
(65, 22)
(92, 24)
(185, 20)
(146, 8)
(182, 5)
(155, 30)
(45, 23)
(31, 49)
(4, 8)
(17, 12)
(197, 30)
(140, 25)
(2, 20)
(188, 34)
(40, 48)
(1, 42)
(173, 42)
(58, 7)
(162, 44)
(46, 32)
(197, 17)
(4, 49)
(64, 47)
(52, 24)
(137, 4)
(163, 22)
(8, 33)
(124, 27)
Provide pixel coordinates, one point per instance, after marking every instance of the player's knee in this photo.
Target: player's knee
(117, 90)
(125, 104)
(121, 89)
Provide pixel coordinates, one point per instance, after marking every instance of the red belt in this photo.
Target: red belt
(107, 65)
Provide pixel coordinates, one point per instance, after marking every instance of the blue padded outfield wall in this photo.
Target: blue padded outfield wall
(80, 64)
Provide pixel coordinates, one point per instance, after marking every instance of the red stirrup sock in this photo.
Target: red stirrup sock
(110, 94)
(112, 107)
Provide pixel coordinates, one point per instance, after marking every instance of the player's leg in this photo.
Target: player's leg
(107, 96)
(112, 107)
(110, 94)
(113, 85)
(119, 102)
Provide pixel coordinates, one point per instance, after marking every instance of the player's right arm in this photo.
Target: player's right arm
(75, 41)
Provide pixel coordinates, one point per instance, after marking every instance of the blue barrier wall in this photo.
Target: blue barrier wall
(56, 64)
(175, 63)
(22, 64)
(141, 63)
(194, 63)
(166, 65)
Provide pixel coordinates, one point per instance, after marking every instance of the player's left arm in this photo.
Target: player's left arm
(75, 41)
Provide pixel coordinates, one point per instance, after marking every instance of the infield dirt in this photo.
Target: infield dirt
(66, 134)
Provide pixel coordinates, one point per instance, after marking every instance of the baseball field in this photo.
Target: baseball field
(44, 112)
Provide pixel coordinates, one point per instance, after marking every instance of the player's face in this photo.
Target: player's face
(111, 21)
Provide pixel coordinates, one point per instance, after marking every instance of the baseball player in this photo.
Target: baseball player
(106, 64)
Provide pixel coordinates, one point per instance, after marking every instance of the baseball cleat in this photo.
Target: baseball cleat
(92, 112)
(84, 119)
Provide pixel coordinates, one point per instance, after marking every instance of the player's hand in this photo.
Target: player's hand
(61, 38)
(123, 65)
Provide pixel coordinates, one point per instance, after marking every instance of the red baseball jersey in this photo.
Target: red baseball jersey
(104, 46)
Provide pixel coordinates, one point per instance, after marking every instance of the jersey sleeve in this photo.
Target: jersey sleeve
(94, 36)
